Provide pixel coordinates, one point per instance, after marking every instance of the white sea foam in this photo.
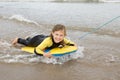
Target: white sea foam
(9, 54)
(32, 58)
(22, 19)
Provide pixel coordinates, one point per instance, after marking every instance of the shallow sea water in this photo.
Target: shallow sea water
(99, 60)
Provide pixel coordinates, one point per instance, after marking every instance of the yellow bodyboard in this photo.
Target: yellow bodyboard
(54, 51)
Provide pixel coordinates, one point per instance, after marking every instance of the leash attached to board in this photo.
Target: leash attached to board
(99, 27)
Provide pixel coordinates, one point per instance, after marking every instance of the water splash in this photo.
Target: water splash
(8, 55)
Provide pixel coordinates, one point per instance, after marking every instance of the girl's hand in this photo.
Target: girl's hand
(47, 55)
(76, 45)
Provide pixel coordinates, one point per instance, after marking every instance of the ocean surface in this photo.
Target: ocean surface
(98, 56)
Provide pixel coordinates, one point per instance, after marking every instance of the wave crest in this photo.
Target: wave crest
(22, 19)
(19, 18)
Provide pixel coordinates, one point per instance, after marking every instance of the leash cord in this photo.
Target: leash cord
(99, 27)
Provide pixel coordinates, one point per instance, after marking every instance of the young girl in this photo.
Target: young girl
(41, 42)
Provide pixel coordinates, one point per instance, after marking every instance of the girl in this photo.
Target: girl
(41, 42)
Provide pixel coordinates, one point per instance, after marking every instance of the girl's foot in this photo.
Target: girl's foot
(15, 41)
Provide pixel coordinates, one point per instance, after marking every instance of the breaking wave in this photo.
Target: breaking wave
(112, 30)
(19, 18)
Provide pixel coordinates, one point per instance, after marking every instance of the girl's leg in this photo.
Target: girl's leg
(36, 40)
(33, 42)
(21, 41)
(25, 42)
(14, 42)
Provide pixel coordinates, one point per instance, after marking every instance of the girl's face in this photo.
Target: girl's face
(58, 36)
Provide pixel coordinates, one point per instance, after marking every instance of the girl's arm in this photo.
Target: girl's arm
(47, 55)
(69, 42)
(40, 48)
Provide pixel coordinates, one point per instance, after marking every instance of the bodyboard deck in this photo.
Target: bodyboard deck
(54, 51)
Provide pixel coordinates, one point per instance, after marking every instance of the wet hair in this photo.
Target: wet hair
(59, 27)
